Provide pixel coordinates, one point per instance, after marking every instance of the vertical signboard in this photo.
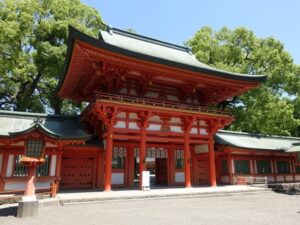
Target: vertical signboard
(146, 181)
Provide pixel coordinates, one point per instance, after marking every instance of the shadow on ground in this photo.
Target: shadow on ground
(9, 211)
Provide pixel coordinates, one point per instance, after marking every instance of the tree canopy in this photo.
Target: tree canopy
(32, 50)
(269, 109)
(33, 46)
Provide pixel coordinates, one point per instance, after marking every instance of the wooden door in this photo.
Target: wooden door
(202, 172)
(161, 171)
(77, 171)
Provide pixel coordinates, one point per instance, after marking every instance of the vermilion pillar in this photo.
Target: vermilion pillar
(3, 171)
(130, 166)
(30, 188)
(108, 157)
(230, 169)
(212, 164)
(142, 154)
(58, 166)
(187, 159)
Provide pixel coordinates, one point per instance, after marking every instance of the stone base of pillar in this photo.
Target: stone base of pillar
(28, 208)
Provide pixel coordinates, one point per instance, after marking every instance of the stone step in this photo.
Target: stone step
(73, 201)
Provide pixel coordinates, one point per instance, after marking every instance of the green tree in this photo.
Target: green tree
(268, 109)
(33, 36)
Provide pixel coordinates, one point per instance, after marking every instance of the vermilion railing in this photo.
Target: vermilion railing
(158, 103)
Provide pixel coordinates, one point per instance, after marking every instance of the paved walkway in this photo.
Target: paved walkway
(263, 208)
(86, 196)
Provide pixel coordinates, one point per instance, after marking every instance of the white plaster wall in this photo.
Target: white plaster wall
(270, 179)
(117, 178)
(20, 185)
(133, 125)
(289, 178)
(172, 97)
(154, 127)
(155, 119)
(10, 166)
(202, 123)
(14, 185)
(203, 131)
(179, 177)
(132, 92)
(225, 179)
(297, 177)
(1, 159)
(151, 94)
(21, 143)
(201, 148)
(123, 90)
(133, 116)
(193, 131)
(175, 120)
(50, 145)
(53, 165)
(43, 184)
(175, 129)
(280, 178)
(121, 115)
(120, 124)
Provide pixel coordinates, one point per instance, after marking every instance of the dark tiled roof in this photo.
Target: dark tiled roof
(254, 141)
(149, 49)
(64, 127)
(166, 53)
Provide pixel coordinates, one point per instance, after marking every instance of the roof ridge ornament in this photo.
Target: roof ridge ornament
(37, 121)
(110, 29)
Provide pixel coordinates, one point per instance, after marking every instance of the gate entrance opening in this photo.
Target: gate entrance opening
(157, 163)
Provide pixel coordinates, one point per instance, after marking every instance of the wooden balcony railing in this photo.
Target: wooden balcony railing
(158, 103)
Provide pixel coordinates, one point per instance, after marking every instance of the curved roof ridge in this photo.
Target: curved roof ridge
(113, 30)
(108, 37)
(33, 114)
(138, 47)
(35, 126)
(240, 133)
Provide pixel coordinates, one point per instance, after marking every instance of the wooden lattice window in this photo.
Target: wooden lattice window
(224, 165)
(118, 160)
(297, 169)
(34, 148)
(298, 157)
(242, 166)
(179, 164)
(179, 159)
(22, 171)
(283, 167)
(118, 163)
(19, 169)
(43, 170)
(263, 167)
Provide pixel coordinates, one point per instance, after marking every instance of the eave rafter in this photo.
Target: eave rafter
(110, 69)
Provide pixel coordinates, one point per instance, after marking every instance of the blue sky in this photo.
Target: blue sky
(177, 21)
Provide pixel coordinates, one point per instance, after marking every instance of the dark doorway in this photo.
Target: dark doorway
(161, 171)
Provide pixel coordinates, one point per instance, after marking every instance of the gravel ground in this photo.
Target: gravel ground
(263, 208)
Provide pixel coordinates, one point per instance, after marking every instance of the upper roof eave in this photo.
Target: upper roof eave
(58, 134)
(75, 34)
(34, 127)
(43, 129)
(220, 139)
